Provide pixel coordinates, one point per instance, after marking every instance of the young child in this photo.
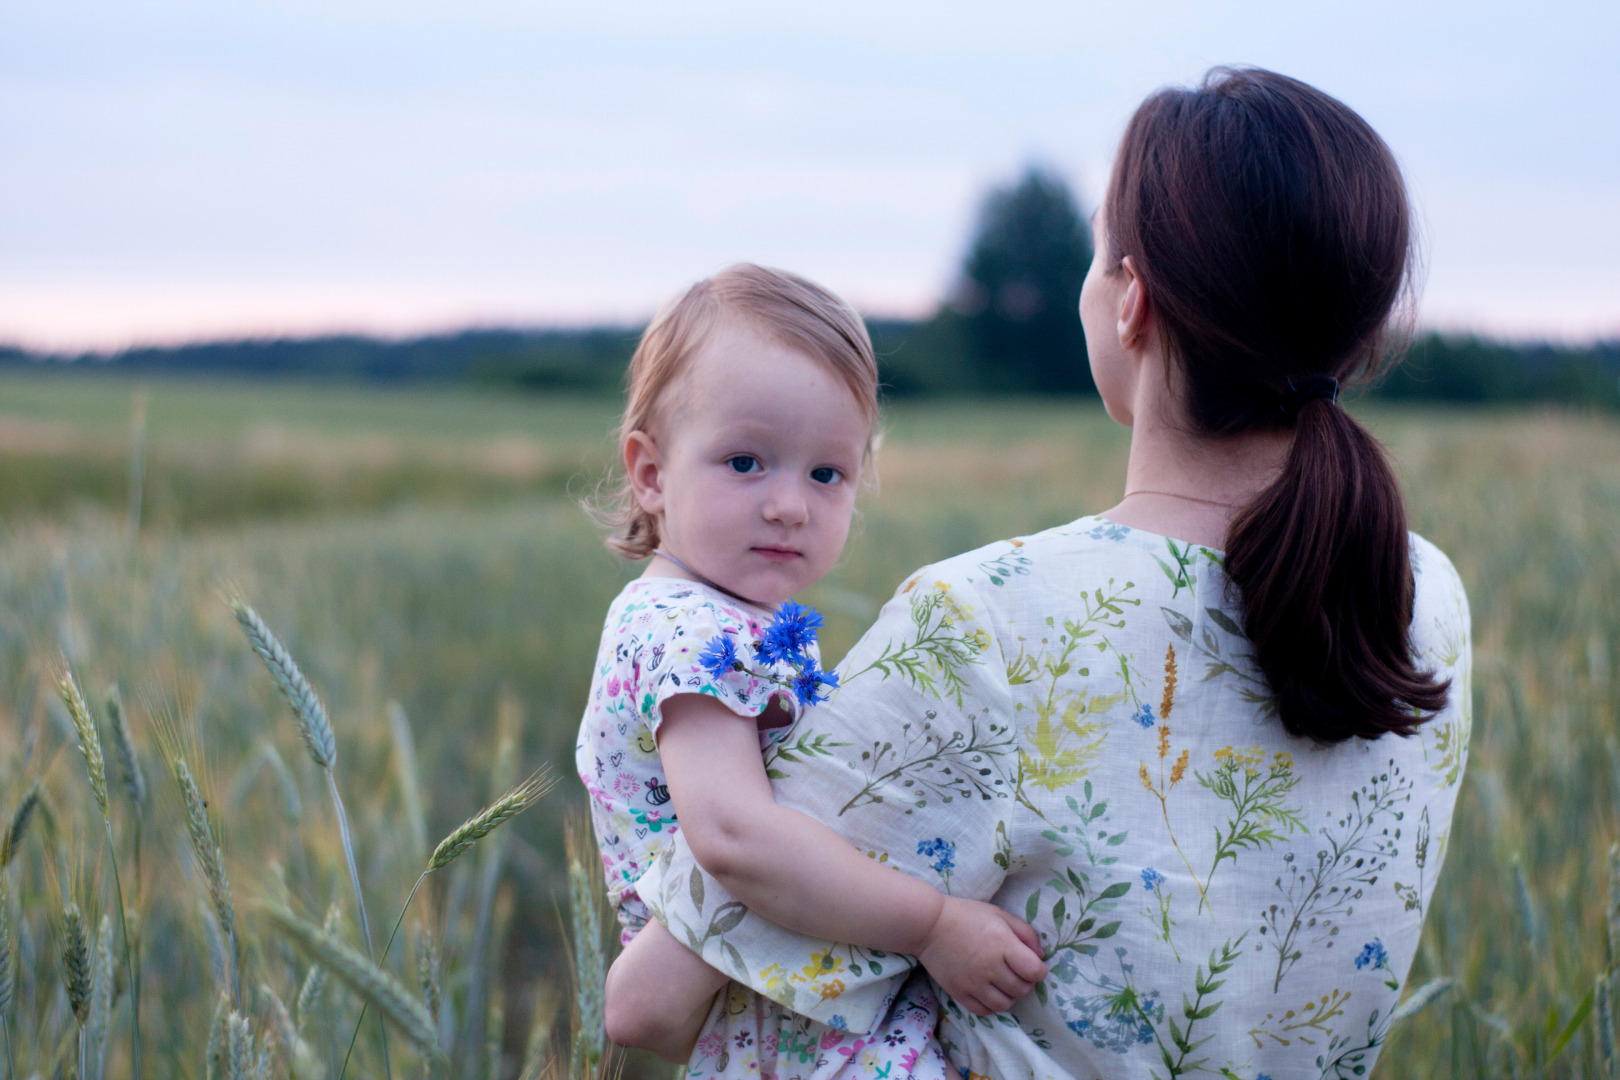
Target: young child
(752, 403)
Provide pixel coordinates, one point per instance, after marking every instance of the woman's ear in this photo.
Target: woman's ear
(644, 465)
(1132, 324)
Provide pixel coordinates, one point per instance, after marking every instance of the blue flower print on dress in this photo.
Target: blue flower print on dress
(942, 851)
(1374, 957)
(1372, 954)
(1114, 1022)
(1151, 879)
(1109, 530)
(1144, 716)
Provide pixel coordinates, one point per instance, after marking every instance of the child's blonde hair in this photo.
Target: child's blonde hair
(796, 312)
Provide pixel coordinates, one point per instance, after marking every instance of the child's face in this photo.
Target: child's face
(753, 478)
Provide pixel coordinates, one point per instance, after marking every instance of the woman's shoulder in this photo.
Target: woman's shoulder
(1090, 545)
(1439, 601)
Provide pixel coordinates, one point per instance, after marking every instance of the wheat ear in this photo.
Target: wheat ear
(488, 819)
(76, 961)
(205, 845)
(20, 818)
(375, 985)
(89, 736)
(313, 724)
(129, 762)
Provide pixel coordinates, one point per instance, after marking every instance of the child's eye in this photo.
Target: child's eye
(826, 474)
(743, 463)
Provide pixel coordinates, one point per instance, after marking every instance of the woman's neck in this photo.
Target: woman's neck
(1189, 486)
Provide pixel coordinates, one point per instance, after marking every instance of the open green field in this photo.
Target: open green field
(425, 548)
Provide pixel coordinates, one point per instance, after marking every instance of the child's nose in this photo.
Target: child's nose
(786, 504)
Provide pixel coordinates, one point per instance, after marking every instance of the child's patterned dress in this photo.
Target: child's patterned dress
(654, 634)
(651, 642)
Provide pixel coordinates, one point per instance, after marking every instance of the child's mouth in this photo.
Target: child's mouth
(777, 554)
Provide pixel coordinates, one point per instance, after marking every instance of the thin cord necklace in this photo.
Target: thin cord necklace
(705, 581)
(1178, 495)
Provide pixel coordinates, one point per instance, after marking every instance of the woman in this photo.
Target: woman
(1207, 743)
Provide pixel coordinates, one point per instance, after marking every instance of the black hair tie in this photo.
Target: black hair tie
(1307, 390)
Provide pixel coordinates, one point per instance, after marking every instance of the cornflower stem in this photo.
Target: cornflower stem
(11, 1058)
(392, 934)
(359, 900)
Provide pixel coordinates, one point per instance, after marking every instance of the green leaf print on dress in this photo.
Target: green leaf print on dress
(1256, 789)
(931, 657)
(1067, 734)
(1200, 1008)
(1220, 660)
(1357, 849)
(1005, 566)
(943, 766)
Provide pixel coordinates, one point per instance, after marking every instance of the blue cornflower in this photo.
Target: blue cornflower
(788, 636)
(811, 684)
(1144, 717)
(1372, 955)
(943, 852)
(1151, 879)
(719, 656)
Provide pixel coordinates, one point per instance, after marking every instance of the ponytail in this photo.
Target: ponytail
(1269, 226)
(1322, 563)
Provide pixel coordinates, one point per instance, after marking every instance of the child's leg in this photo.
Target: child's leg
(658, 994)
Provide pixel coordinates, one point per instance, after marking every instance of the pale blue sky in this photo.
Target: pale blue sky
(171, 170)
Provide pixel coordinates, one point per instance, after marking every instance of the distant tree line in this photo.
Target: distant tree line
(1010, 326)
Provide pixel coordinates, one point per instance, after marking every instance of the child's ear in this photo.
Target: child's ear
(644, 465)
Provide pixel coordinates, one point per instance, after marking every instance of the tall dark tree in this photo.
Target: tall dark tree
(1020, 289)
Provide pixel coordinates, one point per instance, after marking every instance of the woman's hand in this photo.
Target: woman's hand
(983, 957)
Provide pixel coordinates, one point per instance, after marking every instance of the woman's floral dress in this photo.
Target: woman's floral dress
(1070, 725)
(651, 650)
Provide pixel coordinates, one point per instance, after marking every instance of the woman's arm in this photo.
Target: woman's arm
(658, 994)
(798, 873)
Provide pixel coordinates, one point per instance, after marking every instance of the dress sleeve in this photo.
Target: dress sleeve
(669, 655)
(914, 762)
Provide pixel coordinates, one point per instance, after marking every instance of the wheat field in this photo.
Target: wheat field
(421, 557)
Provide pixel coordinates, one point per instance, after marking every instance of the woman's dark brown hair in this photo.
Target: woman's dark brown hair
(1269, 227)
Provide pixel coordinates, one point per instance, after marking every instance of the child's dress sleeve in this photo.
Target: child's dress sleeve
(683, 650)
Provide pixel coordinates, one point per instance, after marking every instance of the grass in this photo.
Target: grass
(447, 628)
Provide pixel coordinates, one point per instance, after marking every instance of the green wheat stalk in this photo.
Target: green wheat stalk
(75, 946)
(205, 845)
(8, 978)
(452, 847)
(316, 729)
(96, 763)
(590, 963)
(374, 985)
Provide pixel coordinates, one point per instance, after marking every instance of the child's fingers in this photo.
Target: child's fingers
(991, 1000)
(1010, 983)
(1027, 965)
(1026, 933)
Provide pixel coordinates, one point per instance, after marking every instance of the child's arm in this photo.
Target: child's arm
(658, 995)
(798, 873)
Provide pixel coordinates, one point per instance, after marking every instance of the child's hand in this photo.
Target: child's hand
(983, 957)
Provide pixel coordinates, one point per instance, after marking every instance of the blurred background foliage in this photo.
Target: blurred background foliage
(1010, 325)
